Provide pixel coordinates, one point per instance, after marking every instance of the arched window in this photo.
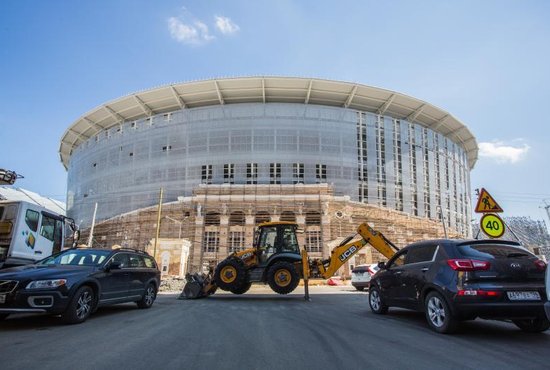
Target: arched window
(313, 218)
(236, 218)
(288, 216)
(262, 216)
(212, 218)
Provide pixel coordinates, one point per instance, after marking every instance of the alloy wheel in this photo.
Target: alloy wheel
(150, 296)
(375, 300)
(436, 311)
(84, 305)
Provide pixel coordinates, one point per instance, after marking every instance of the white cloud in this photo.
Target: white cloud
(193, 34)
(503, 153)
(226, 25)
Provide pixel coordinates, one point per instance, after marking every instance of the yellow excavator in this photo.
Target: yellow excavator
(276, 259)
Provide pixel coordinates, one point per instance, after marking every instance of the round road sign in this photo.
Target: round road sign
(492, 225)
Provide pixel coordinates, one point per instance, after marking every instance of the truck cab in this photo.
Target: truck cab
(29, 232)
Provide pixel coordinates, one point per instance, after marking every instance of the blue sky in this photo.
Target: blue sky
(486, 62)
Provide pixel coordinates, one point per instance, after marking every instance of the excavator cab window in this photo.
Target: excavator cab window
(289, 241)
(267, 243)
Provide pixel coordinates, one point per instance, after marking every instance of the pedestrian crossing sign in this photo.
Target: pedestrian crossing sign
(486, 203)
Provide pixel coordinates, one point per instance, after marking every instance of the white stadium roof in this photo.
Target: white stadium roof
(265, 90)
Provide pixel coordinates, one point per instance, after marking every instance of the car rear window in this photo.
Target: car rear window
(492, 251)
(360, 269)
(149, 261)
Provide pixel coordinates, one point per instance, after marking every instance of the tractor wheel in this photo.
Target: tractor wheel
(243, 289)
(282, 277)
(231, 274)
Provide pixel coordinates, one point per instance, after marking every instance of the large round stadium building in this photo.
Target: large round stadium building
(268, 145)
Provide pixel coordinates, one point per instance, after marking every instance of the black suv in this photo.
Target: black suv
(453, 280)
(75, 282)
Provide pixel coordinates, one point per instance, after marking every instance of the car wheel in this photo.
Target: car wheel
(438, 314)
(148, 297)
(80, 307)
(375, 302)
(3, 316)
(537, 325)
(360, 288)
(282, 277)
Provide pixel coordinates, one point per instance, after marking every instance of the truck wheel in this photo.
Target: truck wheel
(80, 307)
(231, 274)
(537, 325)
(282, 277)
(241, 290)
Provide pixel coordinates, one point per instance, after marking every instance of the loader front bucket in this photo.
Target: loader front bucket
(197, 286)
(192, 290)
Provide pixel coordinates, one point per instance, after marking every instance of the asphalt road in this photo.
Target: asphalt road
(262, 330)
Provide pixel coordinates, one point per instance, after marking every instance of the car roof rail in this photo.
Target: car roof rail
(131, 250)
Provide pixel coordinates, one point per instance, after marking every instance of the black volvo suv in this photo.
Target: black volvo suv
(454, 280)
(75, 282)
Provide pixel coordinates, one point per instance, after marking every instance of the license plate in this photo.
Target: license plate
(2, 298)
(523, 296)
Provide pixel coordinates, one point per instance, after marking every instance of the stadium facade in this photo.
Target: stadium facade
(372, 146)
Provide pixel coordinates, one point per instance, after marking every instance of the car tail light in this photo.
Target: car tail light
(478, 293)
(468, 265)
(541, 265)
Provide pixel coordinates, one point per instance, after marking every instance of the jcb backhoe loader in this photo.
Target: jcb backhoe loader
(276, 260)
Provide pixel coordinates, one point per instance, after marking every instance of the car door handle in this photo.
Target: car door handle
(425, 269)
(398, 272)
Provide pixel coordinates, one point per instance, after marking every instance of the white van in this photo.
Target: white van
(29, 232)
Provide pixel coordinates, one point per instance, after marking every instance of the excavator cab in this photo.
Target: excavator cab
(275, 238)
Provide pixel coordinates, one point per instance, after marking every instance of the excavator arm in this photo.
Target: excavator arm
(349, 247)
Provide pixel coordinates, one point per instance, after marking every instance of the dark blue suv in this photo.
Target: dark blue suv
(75, 282)
(454, 280)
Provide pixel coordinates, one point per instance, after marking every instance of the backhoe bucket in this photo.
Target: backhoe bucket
(197, 286)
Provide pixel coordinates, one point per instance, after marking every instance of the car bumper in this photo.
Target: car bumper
(501, 310)
(360, 284)
(42, 301)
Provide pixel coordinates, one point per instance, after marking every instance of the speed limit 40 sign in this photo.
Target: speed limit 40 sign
(492, 225)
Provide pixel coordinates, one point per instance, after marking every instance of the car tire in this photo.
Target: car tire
(243, 289)
(148, 297)
(375, 302)
(438, 314)
(360, 288)
(231, 274)
(537, 325)
(80, 306)
(283, 277)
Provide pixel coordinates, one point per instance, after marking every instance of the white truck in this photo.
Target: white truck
(29, 232)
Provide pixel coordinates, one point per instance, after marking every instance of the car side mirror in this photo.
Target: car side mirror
(381, 265)
(114, 265)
